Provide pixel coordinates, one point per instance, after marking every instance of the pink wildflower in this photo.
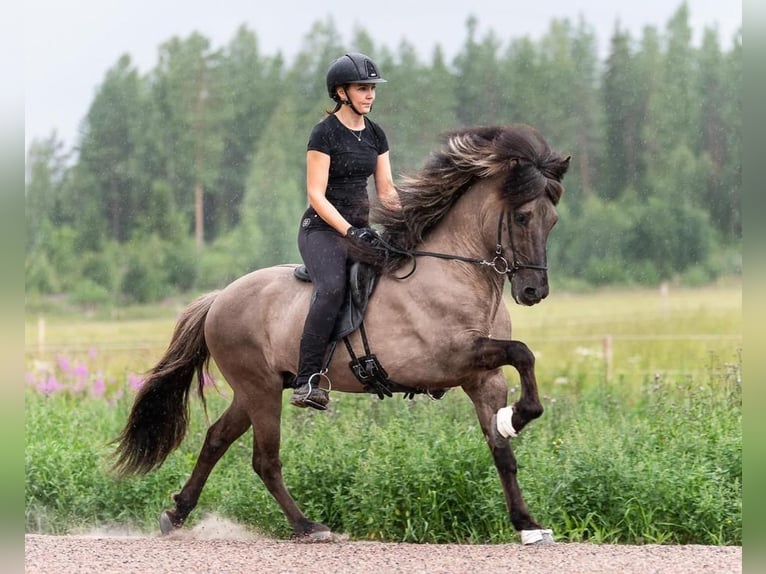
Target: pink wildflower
(49, 385)
(135, 382)
(99, 387)
(64, 364)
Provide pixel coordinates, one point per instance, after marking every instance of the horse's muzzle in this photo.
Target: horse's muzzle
(530, 295)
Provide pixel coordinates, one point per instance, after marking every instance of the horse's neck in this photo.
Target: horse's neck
(469, 229)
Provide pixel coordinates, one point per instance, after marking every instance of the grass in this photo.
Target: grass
(644, 447)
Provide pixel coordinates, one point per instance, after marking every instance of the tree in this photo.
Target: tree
(477, 84)
(105, 187)
(720, 86)
(567, 81)
(275, 195)
(250, 87)
(648, 64)
(521, 76)
(46, 177)
(586, 111)
(414, 90)
(276, 191)
(673, 107)
(187, 106)
(622, 101)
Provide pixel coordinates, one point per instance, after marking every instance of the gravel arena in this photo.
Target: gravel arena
(219, 546)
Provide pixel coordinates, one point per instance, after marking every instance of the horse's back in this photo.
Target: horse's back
(264, 307)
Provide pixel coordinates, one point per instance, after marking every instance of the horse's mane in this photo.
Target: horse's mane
(518, 152)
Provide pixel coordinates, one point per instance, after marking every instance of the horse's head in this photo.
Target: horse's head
(530, 191)
(528, 228)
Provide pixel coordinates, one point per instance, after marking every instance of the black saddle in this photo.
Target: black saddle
(361, 283)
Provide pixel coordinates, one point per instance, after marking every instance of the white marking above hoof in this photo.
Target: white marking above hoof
(504, 421)
(539, 537)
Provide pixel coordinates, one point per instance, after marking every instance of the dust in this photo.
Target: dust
(111, 531)
(214, 527)
(210, 527)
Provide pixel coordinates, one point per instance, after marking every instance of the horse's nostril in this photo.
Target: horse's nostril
(530, 292)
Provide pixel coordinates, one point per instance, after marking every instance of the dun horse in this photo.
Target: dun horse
(478, 213)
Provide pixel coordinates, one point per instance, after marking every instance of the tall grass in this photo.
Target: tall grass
(650, 452)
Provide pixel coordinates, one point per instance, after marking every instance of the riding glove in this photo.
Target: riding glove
(363, 235)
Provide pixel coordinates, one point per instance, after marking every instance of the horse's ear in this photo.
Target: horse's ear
(561, 167)
(565, 164)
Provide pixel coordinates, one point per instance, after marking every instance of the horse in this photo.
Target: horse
(478, 212)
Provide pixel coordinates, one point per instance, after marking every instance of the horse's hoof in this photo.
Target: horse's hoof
(166, 523)
(540, 537)
(320, 536)
(315, 533)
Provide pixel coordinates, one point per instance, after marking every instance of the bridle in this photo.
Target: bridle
(499, 264)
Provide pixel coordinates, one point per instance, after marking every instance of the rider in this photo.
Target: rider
(344, 150)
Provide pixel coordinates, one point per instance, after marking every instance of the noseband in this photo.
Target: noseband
(499, 264)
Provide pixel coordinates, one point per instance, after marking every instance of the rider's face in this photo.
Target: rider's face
(361, 96)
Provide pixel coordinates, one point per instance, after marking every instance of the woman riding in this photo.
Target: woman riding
(344, 150)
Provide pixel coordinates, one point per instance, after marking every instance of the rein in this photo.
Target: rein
(498, 263)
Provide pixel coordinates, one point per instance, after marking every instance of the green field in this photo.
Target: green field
(640, 441)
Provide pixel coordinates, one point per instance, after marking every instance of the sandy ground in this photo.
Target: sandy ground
(215, 546)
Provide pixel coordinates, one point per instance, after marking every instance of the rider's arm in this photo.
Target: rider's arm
(384, 182)
(317, 174)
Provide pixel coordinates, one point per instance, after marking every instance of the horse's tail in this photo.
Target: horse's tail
(159, 417)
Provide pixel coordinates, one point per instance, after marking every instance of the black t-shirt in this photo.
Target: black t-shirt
(352, 162)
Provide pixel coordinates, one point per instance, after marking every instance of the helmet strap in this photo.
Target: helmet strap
(347, 101)
(350, 105)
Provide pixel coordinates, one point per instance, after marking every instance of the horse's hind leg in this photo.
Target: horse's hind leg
(265, 412)
(228, 428)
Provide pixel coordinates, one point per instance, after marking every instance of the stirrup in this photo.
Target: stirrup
(315, 396)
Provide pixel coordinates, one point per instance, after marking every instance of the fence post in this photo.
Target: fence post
(665, 297)
(40, 336)
(607, 358)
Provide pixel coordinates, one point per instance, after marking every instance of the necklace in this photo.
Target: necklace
(357, 135)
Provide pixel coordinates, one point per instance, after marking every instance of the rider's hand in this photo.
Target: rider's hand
(363, 235)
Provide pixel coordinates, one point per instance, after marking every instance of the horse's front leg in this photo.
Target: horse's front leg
(494, 353)
(489, 395)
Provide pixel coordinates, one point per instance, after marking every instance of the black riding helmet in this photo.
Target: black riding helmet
(351, 68)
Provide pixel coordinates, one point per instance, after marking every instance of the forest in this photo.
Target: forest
(193, 173)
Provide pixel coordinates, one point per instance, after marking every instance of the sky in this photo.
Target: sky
(69, 46)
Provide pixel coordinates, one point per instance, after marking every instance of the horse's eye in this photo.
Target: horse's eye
(520, 218)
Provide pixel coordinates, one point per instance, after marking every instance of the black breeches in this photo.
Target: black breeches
(324, 255)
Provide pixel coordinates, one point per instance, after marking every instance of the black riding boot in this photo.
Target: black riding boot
(307, 391)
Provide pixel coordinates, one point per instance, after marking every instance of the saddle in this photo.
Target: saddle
(367, 369)
(361, 283)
